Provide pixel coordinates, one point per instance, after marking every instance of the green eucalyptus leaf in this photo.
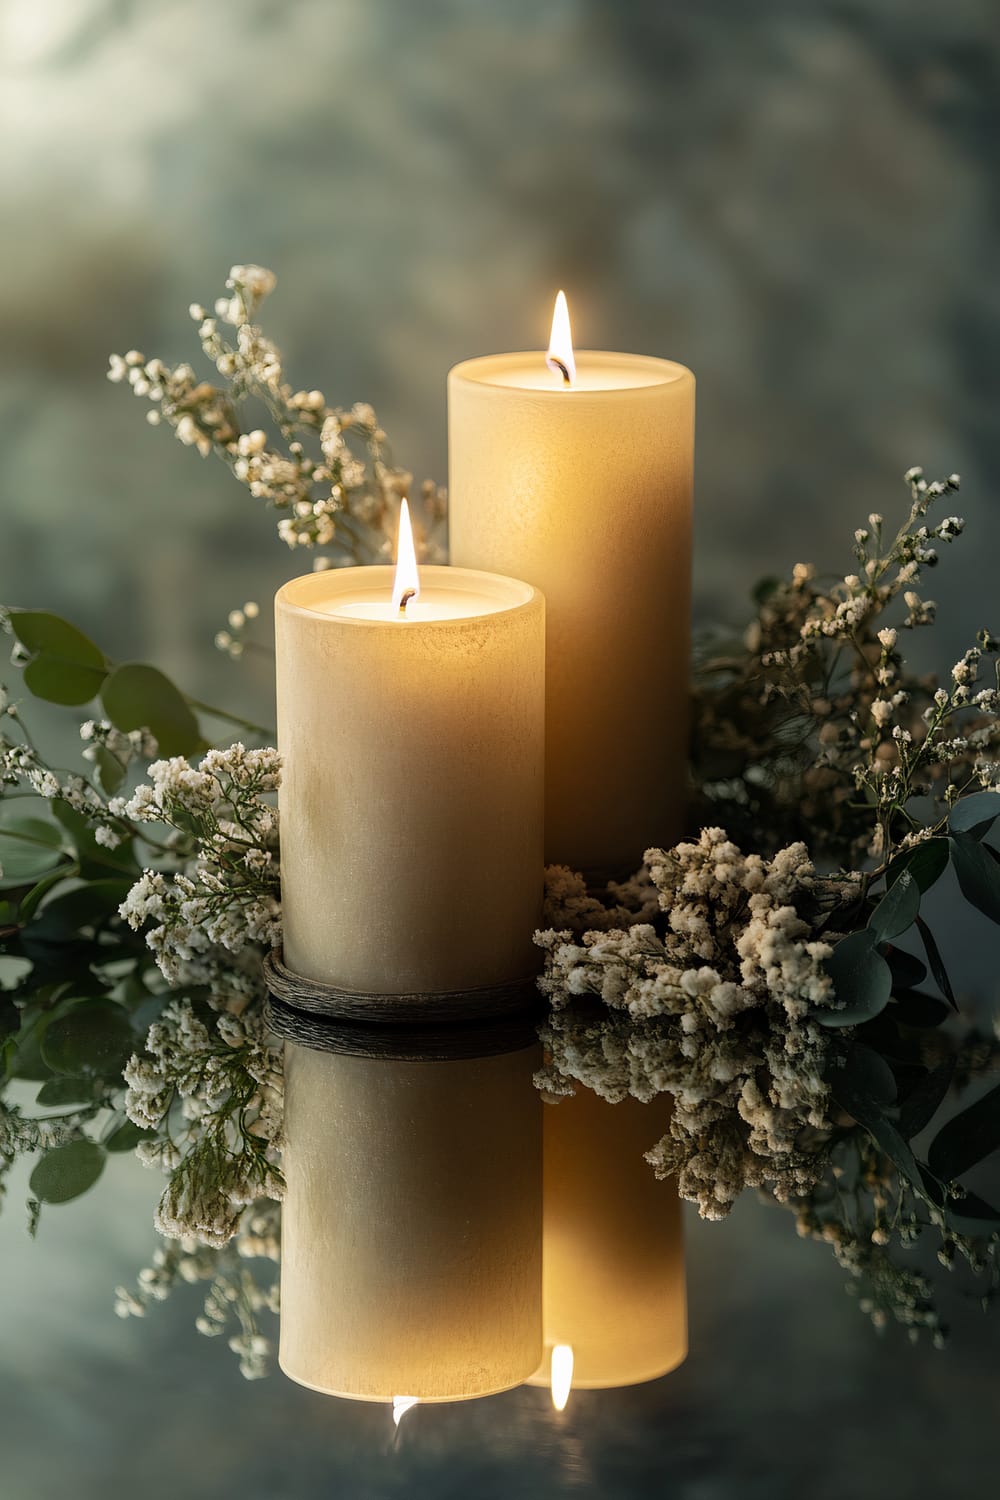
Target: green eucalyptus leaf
(36, 895)
(925, 1098)
(126, 1137)
(27, 1061)
(978, 873)
(37, 630)
(65, 667)
(861, 981)
(972, 1215)
(926, 862)
(67, 1091)
(67, 1171)
(95, 860)
(967, 1138)
(30, 845)
(864, 1071)
(906, 969)
(58, 681)
(136, 696)
(898, 908)
(93, 1038)
(974, 815)
(967, 1212)
(871, 1115)
(883, 1033)
(937, 963)
(914, 1008)
(61, 958)
(86, 906)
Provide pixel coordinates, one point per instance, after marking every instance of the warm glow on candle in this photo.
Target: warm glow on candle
(402, 1404)
(562, 1375)
(407, 581)
(560, 355)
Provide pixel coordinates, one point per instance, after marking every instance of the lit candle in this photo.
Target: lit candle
(576, 474)
(613, 1283)
(411, 1240)
(411, 724)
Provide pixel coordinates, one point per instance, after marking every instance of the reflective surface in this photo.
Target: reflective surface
(786, 1391)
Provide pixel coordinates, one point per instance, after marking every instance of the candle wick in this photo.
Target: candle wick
(554, 363)
(408, 594)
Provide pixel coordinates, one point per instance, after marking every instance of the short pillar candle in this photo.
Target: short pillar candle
(412, 779)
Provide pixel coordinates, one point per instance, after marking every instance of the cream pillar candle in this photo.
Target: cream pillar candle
(584, 489)
(411, 799)
(411, 1225)
(613, 1265)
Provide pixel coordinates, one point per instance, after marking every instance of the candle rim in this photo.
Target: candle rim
(331, 1388)
(521, 595)
(667, 372)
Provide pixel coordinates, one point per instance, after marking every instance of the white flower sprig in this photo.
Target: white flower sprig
(324, 468)
(814, 719)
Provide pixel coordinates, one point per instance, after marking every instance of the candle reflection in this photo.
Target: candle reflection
(562, 1375)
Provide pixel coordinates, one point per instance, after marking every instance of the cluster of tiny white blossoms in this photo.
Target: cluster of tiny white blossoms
(712, 1005)
(330, 478)
(233, 1292)
(208, 1083)
(20, 764)
(226, 895)
(220, 1147)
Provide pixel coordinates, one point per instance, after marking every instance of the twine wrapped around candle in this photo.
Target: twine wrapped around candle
(408, 1042)
(449, 1007)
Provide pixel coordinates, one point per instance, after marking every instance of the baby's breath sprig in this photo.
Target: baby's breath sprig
(237, 637)
(325, 469)
(815, 721)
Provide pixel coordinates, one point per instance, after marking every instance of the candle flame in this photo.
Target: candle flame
(562, 1375)
(560, 355)
(406, 585)
(400, 1406)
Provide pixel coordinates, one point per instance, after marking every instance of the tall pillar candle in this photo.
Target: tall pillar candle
(613, 1278)
(412, 783)
(411, 1226)
(585, 490)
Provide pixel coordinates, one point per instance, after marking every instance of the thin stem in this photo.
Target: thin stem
(221, 713)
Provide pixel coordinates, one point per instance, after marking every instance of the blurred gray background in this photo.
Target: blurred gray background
(797, 199)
